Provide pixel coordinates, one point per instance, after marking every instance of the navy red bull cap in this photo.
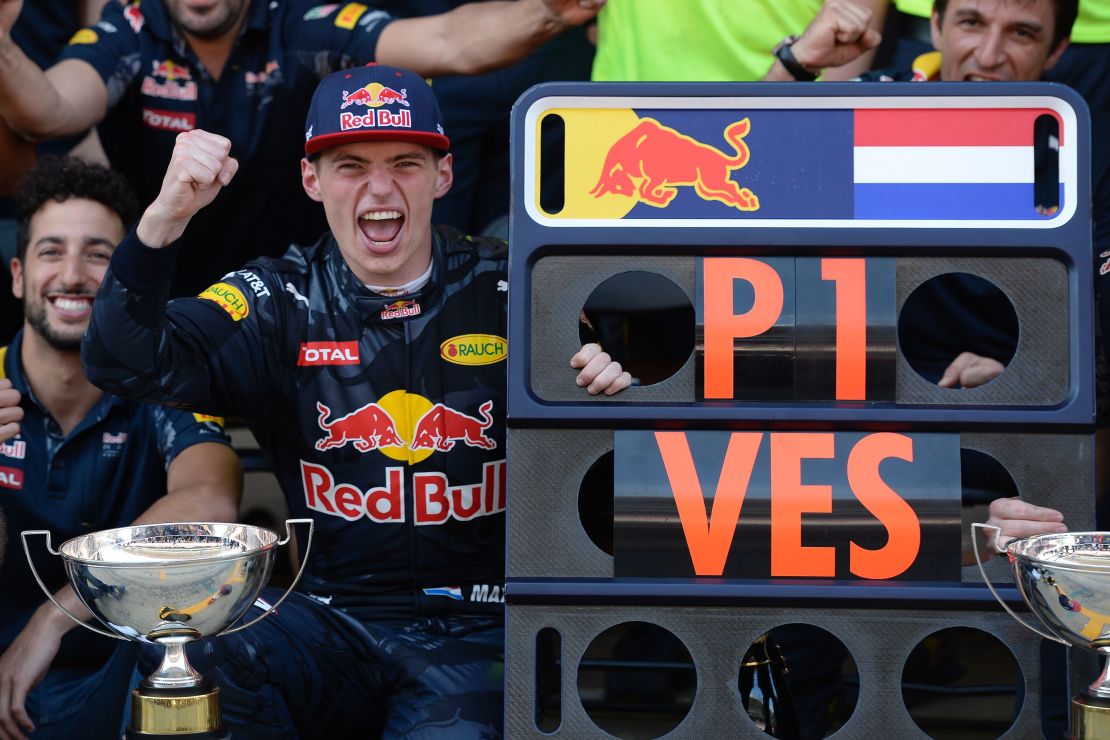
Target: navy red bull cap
(373, 103)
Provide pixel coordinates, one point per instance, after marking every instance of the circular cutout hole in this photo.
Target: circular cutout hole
(644, 321)
(962, 683)
(955, 313)
(595, 503)
(637, 680)
(798, 680)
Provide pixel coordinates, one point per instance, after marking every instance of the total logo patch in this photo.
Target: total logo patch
(328, 353)
(229, 298)
(169, 120)
(11, 478)
(474, 349)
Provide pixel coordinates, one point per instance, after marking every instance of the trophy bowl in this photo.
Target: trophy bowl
(1064, 579)
(162, 580)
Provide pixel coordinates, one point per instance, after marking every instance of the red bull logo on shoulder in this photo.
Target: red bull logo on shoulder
(652, 161)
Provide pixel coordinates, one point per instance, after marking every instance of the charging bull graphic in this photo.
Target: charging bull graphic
(663, 159)
(442, 426)
(368, 428)
(375, 95)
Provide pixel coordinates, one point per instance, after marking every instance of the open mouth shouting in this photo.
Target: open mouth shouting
(381, 228)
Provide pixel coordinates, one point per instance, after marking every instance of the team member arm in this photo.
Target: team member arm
(839, 34)
(185, 352)
(68, 98)
(862, 64)
(204, 482)
(477, 37)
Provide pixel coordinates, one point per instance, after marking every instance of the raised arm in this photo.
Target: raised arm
(839, 34)
(479, 36)
(66, 99)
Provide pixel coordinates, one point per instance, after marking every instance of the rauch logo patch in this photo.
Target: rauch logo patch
(229, 298)
(474, 349)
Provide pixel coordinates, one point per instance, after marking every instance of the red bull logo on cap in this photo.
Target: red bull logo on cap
(374, 96)
(651, 161)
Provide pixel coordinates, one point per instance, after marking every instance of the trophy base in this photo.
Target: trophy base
(1090, 718)
(176, 714)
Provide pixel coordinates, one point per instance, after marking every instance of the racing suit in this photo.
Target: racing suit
(384, 420)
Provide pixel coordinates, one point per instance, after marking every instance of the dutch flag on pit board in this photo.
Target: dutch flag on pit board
(949, 164)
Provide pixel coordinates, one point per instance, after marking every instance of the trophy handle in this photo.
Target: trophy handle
(307, 548)
(27, 551)
(987, 580)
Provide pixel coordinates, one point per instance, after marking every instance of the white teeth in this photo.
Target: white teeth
(380, 215)
(70, 304)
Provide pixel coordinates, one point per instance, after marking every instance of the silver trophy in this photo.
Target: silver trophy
(1065, 580)
(170, 584)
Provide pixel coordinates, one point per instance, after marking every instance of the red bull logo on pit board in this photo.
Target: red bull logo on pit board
(652, 161)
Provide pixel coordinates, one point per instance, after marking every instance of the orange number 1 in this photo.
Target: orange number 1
(850, 276)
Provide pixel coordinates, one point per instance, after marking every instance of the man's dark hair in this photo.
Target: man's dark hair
(1063, 19)
(62, 178)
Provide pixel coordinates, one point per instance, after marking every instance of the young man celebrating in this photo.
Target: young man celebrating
(75, 460)
(371, 367)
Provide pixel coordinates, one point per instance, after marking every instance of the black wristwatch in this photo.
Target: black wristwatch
(785, 55)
